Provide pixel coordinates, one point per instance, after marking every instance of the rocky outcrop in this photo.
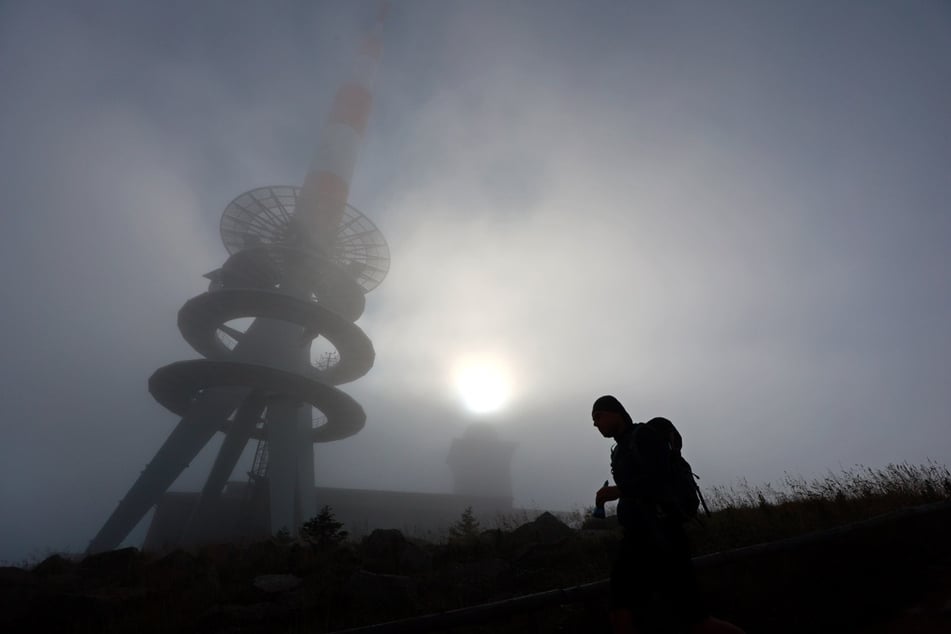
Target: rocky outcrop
(387, 551)
(393, 594)
(544, 529)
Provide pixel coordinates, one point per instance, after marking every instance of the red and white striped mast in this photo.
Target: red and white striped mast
(323, 198)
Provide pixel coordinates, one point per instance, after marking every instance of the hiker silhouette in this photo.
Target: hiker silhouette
(653, 584)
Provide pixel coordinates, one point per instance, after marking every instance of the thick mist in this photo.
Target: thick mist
(734, 216)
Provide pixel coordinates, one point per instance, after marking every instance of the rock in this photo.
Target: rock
(541, 556)
(110, 559)
(218, 555)
(545, 529)
(386, 551)
(479, 572)
(414, 559)
(180, 572)
(491, 538)
(82, 612)
(113, 567)
(272, 584)
(59, 574)
(54, 565)
(12, 577)
(18, 587)
(267, 557)
(391, 595)
(381, 550)
(241, 615)
(304, 558)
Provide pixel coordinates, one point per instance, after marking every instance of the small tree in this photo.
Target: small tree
(324, 529)
(466, 528)
(283, 536)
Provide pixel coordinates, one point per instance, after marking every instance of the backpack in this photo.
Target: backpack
(679, 496)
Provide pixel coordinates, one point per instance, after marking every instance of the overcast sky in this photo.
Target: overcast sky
(733, 214)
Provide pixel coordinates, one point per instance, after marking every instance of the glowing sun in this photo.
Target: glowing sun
(483, 384)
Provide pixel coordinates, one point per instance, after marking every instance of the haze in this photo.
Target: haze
(733, 214)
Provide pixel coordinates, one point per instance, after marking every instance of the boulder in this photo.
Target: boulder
(491, 539)
(231, 617)
(13, 577)
(266, 557)
(480, 572)
(18, 588)
(71, 612)
(414, 559)
(380, 594)
(304, 558)
(544, 529)
(113, 567)
(382, 549)
(219, 555)
(272, 584)
(181, 572)
(386, 551)
(54, 565)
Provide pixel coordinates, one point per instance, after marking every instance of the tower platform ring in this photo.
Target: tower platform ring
(265, 216)
(201, 316)
(262, 267)
(175, 386)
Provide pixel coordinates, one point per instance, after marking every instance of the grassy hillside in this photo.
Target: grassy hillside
(850, 582)
(747, 514)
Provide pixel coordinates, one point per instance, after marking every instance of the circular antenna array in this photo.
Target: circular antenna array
(264, 217)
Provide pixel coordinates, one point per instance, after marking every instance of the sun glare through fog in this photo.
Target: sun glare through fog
(484, 384)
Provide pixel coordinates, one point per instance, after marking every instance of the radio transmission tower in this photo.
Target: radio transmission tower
(301, 260)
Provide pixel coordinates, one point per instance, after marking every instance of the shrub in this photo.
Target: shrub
(283, 536)
(324, 529)
(466, 528)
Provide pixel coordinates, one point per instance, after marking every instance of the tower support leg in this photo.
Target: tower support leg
(230, 452)
(282, 421)
(306, 502)
(208, 414)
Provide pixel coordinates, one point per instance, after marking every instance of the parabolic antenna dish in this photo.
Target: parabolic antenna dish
(265, 217)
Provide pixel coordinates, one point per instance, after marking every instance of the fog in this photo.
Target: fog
(733, 214)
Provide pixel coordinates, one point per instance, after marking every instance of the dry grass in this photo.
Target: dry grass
(745, 514)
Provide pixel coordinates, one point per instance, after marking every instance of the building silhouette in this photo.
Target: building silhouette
(481, 463)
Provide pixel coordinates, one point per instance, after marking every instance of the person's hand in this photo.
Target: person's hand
(606, 494)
